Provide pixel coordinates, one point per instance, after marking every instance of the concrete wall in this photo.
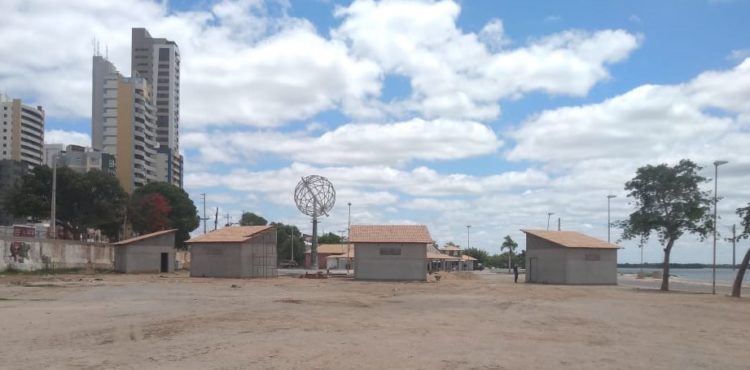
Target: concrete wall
(549, 263)
(583, 268)
(255, 258)
(35, 254)
(376, 261)
(215, 260)
(545, 261)
(145, 255)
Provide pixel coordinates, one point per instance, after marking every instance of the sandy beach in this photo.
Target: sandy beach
(466, 321)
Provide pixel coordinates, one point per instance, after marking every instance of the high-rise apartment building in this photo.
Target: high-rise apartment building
(158, 61)
(123, 123)
(22, 132)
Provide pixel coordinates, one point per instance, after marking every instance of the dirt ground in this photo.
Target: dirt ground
(475, 321)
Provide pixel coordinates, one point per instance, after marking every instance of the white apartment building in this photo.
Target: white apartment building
(158, 61)
(22, 132)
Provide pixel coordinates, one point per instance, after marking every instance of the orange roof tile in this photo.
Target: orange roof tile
(390, 234)
(571, 239)
(143, 237)
(232, 234)
(331, 248)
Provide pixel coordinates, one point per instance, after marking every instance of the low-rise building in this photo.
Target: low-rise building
(568, 257)
(152, 252)
(390, 252)
(234, 252)
(325, 251)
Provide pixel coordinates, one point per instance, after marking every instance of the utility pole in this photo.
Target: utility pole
(549, 215)
(216, 219)
(348, 240)
(468, 236)
(292, 249)
(204, 212)
(229, 220)
(558, 224)
(53, 215)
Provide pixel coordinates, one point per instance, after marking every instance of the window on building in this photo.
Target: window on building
(390, 251)
(163, 54)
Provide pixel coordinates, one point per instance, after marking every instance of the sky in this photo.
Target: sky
(446, 113)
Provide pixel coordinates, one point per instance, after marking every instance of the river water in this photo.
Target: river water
(724, 276)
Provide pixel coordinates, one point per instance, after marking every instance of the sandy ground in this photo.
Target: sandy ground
(476, 321)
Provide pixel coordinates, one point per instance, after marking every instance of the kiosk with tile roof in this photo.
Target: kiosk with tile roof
(568, 257)
(234, 252)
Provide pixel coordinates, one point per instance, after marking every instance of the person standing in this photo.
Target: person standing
(515, 273)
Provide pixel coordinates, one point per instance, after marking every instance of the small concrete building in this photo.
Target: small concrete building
(146, 253)
(324, 251)
(568, 257)
(235, 252)
(390, 252)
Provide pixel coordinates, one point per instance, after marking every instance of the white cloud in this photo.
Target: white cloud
(239, 65)
(453, 74)
(67, 138)
(393, 143)
(647, 123)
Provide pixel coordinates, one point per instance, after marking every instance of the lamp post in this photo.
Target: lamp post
(348, 239)
(53, 210)
(468, 236)
(609, 224)
(549, 214)
(716, 201)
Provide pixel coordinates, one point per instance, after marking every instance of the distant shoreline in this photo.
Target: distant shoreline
(674, 265)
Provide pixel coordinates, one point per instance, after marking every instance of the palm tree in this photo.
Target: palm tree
(511, 246)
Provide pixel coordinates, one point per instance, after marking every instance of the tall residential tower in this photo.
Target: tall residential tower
(123, 124)
(157, 60)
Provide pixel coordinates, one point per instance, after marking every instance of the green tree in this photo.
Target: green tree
(251, 219)
(510, 245)
(149, 212)
(90, 200)
(288, 235)
(183, 215)
(329, 238)
(669, 202)
(481, 255)
(744, 214)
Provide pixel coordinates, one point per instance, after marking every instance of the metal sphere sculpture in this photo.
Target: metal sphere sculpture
(314, 195)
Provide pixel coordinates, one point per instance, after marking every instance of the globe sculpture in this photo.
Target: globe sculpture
(314, 196)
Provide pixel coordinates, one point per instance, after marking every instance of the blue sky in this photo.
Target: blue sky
(489, 113)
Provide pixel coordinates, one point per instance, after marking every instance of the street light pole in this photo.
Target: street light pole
(348, 240)
(609, 223)
(716, 200)
(53, 211)
(468, 236)
(204, 212)
(549, 214)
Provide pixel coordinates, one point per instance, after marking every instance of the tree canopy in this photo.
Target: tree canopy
(286, 236)
(509, 244)
(183, 215)
(251, 219)
(84, 200)
(329, 238)
(669, 203)
(481, 255)
(149, 212)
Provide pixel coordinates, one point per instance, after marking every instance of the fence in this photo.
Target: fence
(33, 253)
